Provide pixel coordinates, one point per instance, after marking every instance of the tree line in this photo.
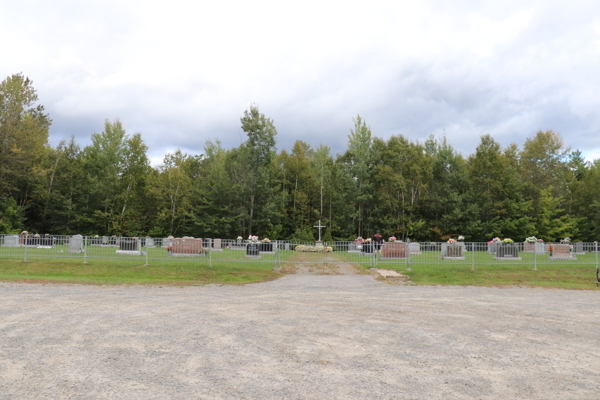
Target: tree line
(422, 191)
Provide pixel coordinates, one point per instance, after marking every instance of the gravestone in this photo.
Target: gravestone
(130, 247)
(578, 248)
(415, 249)
(352, 248)
(217, 245)
(528, 246)
(395, 250)
(11, 241)
(507, 252)
(453, 251)
(561, 252)
(208, 243)
(166, 242)
(76, 244)
(187, 247)
(492, 247)
(287, 246)
(266, 247)
(150, 242)
(252, 251)
(367, 249)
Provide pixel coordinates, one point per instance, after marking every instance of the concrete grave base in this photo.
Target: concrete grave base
(550, 258)
(131, 253)
(507, 258)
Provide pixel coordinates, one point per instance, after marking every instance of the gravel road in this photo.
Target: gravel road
(300, 337)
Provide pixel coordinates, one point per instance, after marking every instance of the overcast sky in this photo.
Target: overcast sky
(182, 73)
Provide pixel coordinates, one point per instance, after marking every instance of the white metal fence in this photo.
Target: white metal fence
(215, 251)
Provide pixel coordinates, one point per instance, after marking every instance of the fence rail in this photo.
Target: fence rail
(215, 251)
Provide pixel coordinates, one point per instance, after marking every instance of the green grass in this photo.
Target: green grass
(52, 265)
(230, 267)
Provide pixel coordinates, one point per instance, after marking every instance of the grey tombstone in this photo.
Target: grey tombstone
(540, 248)
(453, 251)
(415, 249)
(150, 243)
(287, 246)
(167, 242)
(130, 247)
(104, 240)
(353, 248)
(11, 241)
(217, 245)
(208, 243)
(578, 248)
(76, 244)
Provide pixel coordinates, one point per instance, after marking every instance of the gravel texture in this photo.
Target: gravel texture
(300, 337)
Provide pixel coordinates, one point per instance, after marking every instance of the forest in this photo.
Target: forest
(423, 191)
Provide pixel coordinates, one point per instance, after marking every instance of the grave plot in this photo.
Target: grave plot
(561, 252)
(187, 247)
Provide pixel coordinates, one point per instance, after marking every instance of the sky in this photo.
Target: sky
(181, 73)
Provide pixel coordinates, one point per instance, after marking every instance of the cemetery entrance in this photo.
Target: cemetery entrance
(342, 258)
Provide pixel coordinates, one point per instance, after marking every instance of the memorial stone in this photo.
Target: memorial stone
(150, 242)
(395, 250)
(352, 248)
(130, 247)
(507, 252)
(453, 251)
(561, 252)
(579, 248)
(104, 240)
(415, 249)
(217, 245)
(11, 241)
(76, 244)
(187, 247)
(252, 251)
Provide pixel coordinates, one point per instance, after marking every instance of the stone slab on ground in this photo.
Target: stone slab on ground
(391, 274)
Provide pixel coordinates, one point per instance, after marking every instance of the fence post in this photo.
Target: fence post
(146, 254)
(210, 257)
(25, 248)
(473, 256)
(85, 241)
(596, 245)
(534, 256)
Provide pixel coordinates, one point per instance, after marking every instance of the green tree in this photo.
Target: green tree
(261, 152)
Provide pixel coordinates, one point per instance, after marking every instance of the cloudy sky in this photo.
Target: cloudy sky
(182, 73)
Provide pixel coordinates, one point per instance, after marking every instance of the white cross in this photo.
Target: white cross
(319, 226)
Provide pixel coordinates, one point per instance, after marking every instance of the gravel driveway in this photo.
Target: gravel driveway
(300, 337)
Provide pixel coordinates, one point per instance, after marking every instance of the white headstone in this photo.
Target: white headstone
(11, 241)
(150, 242)
(76, 244)
(217, 245)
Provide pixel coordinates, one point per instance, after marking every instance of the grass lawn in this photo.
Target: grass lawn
(230, 267)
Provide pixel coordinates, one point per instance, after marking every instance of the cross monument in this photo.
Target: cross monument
(319, 226)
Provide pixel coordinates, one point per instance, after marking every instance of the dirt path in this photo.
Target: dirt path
(308, 264)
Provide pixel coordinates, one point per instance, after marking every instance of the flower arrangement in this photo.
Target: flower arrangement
(46, 234)
(461, 238)
(392, 239)
(508, 240)
(252, 239)
(24, 233)
(314, 249)
(266, 240)
(531, 239)
(540, 240)
(239, 238)
(36, 235)
(451, 240)
(368, 240)
(566, 240)
(359, 240)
